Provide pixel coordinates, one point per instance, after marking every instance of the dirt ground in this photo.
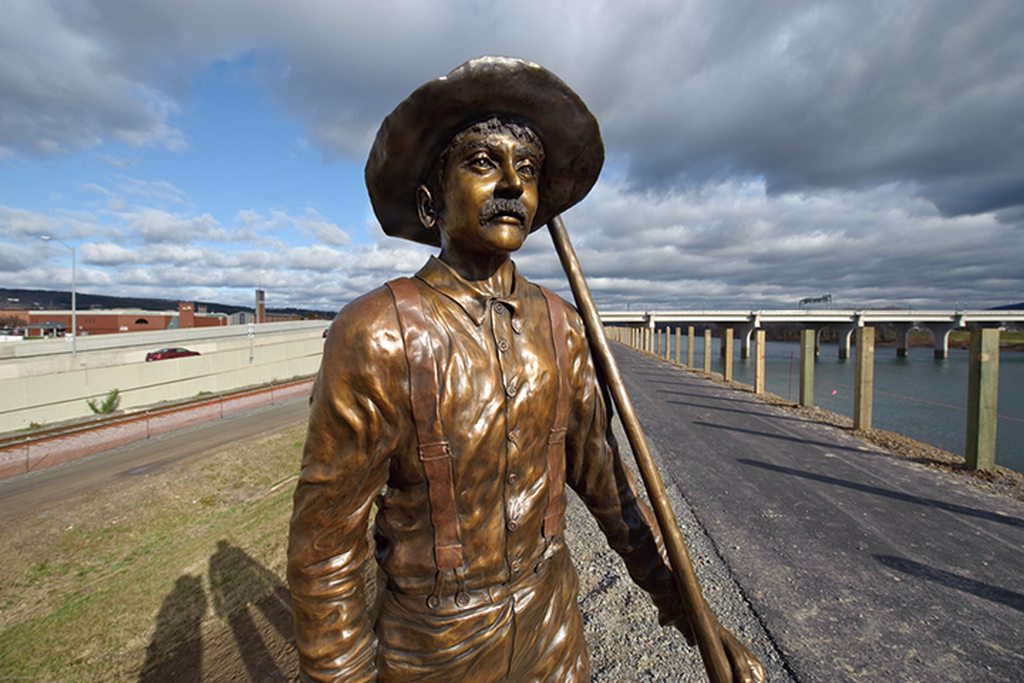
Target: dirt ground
(255, 644)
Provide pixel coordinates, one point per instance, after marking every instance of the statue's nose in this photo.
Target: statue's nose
(510, 184)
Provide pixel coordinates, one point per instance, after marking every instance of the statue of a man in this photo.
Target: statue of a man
(457, 404)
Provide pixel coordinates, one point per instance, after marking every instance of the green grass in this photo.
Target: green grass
(89, 583)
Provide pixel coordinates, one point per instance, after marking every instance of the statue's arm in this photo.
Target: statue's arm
(595, 470)
(352, 432)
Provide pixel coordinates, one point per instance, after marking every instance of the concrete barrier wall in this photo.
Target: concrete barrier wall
(33, 454)
(44, 386)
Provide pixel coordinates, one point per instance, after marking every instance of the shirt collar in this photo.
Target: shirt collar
(441, 277)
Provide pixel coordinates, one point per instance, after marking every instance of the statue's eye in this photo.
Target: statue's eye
(481, 162)
(527, 169)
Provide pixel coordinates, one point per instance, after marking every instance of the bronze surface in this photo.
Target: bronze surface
(458, 404)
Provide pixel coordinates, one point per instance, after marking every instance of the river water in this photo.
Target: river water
(919, 396)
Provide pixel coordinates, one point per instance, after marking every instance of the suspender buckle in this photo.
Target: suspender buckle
(434, 451)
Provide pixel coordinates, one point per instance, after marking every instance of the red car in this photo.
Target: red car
(173, 352)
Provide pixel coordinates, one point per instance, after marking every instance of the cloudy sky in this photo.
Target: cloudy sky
(758, 152)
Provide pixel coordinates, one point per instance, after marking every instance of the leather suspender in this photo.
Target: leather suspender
(554, 518)
(434, 451)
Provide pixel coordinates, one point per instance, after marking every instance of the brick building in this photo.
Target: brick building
(112, 321)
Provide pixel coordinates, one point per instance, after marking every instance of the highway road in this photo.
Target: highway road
(52, 486)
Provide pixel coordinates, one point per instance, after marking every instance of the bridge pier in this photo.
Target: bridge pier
(940, 337)
(902, 338)
(679, 346)
(982, 398)
(845, 333)
(745, 332)
(818, 329)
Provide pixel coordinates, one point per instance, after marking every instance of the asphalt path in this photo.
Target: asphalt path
(860, 565)
(54, 485)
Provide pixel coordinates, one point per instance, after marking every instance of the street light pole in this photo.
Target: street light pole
(74, 303)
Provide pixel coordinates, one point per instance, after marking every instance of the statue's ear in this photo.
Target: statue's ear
(425, 207)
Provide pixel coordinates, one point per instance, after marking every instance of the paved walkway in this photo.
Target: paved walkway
(860, 565)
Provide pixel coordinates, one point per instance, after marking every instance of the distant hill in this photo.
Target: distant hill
(35, 299)
(1009, 307)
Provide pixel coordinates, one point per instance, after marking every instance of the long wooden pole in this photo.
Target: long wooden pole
(702, 623)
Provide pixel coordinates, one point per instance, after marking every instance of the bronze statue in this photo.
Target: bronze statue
(459, 403)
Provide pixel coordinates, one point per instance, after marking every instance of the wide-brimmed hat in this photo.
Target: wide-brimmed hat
(413, 136)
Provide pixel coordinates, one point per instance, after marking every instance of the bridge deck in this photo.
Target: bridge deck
(860, 565)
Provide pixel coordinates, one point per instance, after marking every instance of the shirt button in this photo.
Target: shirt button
(500, 309)
(513, 435)
(512, 388)
(512, 477)
(516, 566)
(503, 344)
(512, 525)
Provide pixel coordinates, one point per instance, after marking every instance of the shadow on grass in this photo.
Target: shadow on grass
(246, 595)
(180, 618)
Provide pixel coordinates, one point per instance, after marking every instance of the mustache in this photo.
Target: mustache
(500, 205)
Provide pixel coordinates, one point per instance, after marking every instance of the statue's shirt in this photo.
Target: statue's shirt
(498, 389)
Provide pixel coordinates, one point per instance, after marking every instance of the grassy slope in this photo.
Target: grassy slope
(110, 583)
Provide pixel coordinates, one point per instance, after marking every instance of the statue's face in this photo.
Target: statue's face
(489, 187)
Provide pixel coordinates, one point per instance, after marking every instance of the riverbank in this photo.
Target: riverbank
(961, 339)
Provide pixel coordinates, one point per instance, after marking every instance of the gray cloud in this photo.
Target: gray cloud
(735, 245)
(806, 95)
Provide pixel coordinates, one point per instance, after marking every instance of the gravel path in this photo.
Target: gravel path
(626, 642)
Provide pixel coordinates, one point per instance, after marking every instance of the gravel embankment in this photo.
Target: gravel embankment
(626, 642)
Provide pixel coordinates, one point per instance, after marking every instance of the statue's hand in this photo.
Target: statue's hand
(745, 666)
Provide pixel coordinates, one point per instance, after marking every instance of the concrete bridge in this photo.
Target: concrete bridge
(650, 331)
(844, 322)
